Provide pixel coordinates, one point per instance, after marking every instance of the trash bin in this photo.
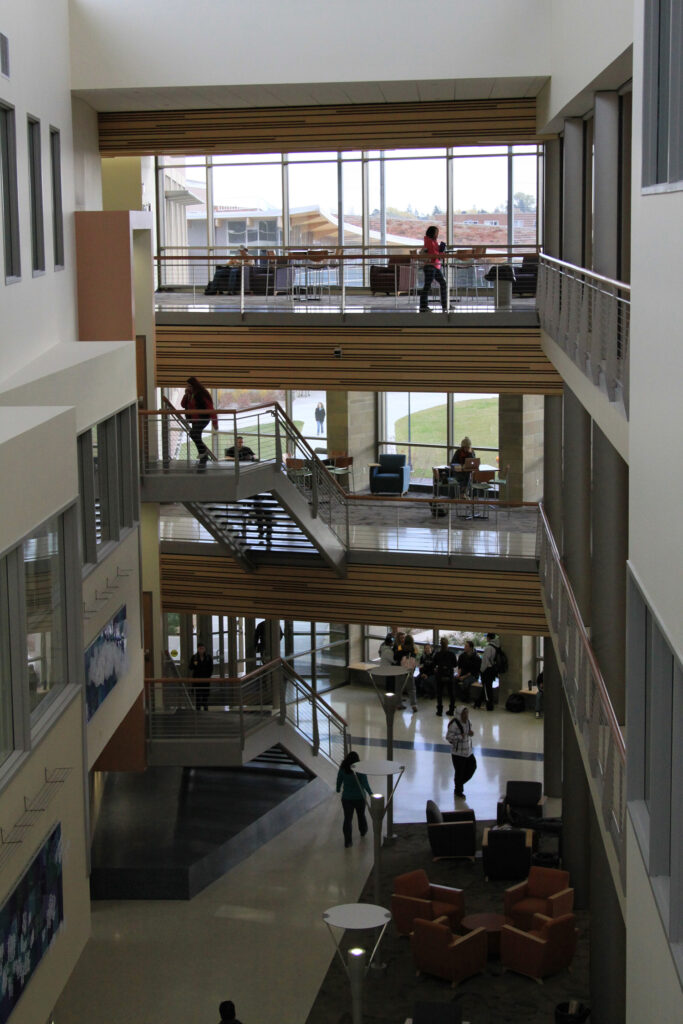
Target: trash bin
(502, 275)
(577, 1015)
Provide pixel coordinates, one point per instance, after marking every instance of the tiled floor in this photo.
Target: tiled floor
(256, 935)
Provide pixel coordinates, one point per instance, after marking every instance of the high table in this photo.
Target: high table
(377, 806)
(361, 917)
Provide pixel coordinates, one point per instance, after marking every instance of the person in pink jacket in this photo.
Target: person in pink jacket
(432, 269)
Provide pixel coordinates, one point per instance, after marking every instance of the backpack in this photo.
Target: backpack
(515, 702)
(500, 662)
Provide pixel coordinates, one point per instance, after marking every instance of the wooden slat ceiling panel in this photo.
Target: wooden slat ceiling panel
(506, 360)
(317, 128)
(503, 601)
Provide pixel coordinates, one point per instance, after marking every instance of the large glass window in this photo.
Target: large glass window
(44, 593)
(407, 193)
(313, 201)
(247, 202)
(309, 412)
(417, 424)
(480, 196)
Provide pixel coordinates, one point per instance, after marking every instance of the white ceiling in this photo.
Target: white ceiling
(196, 97)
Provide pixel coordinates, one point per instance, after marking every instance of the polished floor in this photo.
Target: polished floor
(256, 935)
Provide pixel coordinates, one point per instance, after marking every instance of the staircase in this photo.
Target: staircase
(254, 510)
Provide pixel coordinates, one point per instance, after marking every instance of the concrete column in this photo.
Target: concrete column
(572, 190)
(608, 936)
(552, 198)
(553, 704)
(122, 183)
(351, 428)
(610, 551)
(576, 810)
(552, 464)
(576, 500)
(511, 441)
(606, 184)
(513, 679)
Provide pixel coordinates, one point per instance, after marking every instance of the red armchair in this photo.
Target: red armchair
(546, 891)
(414, 897)
(453, 957)
(548, 948)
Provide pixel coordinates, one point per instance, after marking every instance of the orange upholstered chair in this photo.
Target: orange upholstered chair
(414, 897)
(436, 950)
(546, 891)
(548, 948)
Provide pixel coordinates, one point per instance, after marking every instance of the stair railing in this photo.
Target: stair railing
(239, 706)
(596, 723)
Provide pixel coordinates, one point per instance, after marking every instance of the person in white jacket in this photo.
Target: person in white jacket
(459, 734)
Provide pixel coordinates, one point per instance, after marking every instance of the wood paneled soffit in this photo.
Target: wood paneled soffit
(355, 126)
(508, 602)
(506, 360)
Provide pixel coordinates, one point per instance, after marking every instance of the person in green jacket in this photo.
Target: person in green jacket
(352, 785)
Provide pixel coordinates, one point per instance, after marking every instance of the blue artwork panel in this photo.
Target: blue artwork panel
(29, 921)
(106, 660)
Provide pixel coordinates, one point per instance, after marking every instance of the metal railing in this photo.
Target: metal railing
(238, 707)
(588, 315)
(591, 708)
(335, 278)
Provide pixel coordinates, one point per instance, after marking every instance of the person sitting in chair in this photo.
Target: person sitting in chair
(240, 451)
(469, 666)
(458, 459)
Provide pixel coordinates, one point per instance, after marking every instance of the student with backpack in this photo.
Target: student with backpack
(493, 664)
(459, 734)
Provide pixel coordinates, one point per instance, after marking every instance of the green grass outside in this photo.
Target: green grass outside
(476, 418)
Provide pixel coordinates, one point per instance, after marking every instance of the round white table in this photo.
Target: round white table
(358, 917)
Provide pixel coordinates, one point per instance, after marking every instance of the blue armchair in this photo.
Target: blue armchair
(391, 476)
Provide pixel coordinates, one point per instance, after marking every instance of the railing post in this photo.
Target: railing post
(242, 270)
(234, 441)
(283, 697)
(165, 441)
(314, 490)
(316, 728)
(278, 439)
(342, 269)
(241, 714)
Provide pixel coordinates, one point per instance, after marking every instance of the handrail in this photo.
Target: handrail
(569, 593)
(588, 273)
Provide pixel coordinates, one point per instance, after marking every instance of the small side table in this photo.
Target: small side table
(493, 924)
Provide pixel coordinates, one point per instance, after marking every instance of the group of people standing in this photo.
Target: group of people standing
(442, 672)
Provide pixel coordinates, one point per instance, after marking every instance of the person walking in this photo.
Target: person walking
(459, 734)
(386, 650)
(199, 411)
(319, 418)
(432, 269)
(444, 662)
(488, 669)
(351, 784)
(409, 663)
(201, 667)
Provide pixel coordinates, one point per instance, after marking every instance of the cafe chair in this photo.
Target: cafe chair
(340, 464)
(547, 948)
(520, 802)
(414, 897)
(506, 852)
(451, 833)
(546, 891)
(299, 472)
(436, 950)
(390, 475)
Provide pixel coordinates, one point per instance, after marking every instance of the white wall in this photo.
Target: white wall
(229, 42)
(37, 312)
(585, 38)
(37, 468)
(86, 157)
(96, 377)
(653, 992)
(656, 423)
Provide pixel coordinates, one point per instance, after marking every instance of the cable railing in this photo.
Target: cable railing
(344, 278)
(587, 695)
(588, 315)
(215, 709)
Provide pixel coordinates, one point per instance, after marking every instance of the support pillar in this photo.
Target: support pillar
(576, 500)
(576, 810)
(552, 197)
(572, 191)
(607, 968)
(514, 679)
(610, 551)
(606, 184)
(553, 704)
(552, 464)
